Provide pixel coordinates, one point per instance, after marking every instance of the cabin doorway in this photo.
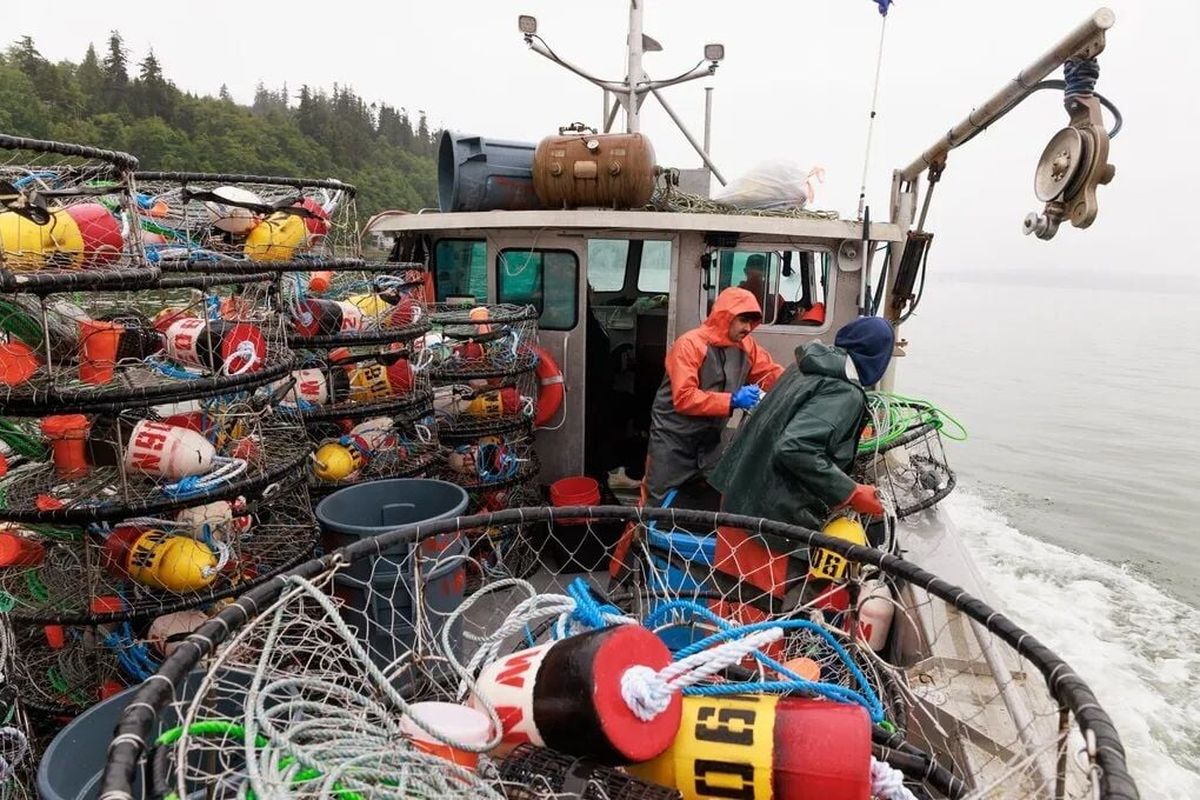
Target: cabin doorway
(628, 303)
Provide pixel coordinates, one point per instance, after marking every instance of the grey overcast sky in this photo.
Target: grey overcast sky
(796, 83)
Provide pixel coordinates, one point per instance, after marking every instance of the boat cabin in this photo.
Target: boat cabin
(614, 288)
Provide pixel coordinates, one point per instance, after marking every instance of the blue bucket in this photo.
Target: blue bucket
(480, 174)
(380, 593)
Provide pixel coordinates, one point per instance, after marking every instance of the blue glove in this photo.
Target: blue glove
(746, 397)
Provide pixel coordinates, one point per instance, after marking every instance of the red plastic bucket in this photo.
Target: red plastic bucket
(576, 545)
(578, 490)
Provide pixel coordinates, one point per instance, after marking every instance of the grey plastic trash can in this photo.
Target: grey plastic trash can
(378, 593)
(480, 174)
(73, 763)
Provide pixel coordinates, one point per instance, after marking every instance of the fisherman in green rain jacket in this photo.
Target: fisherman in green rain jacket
(790, 460)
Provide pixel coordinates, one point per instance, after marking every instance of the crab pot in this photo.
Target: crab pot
(408, 589)
(229, 222)
(534, 773)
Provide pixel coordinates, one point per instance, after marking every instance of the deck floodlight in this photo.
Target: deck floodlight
(714, 52)
(527, 24)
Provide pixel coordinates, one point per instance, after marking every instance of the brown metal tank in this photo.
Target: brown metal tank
(580, 168)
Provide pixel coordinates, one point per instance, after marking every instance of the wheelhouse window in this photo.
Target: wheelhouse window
(546, 279)
(612, 263)
(460, 269)
(793, 287)
(606, 261)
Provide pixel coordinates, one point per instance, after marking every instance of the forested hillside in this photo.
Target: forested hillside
(113, 101)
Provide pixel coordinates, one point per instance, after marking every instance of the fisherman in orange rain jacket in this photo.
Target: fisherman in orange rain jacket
(711, 372)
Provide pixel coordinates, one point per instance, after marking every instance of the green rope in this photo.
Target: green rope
(894, 415)
(21, 441)
(217, 727)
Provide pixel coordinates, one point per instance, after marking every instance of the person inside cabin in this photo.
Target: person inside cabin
(711, 372)
(755, 282)
(791, 459)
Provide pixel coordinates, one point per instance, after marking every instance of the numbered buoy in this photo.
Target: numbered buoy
(376, 381)
(316, 317)
(160, 560)
(567, 695)
(220, 346)
(827, 564)
(764, 747)
(497, 403)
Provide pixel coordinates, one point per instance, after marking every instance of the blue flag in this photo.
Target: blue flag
(883, 6)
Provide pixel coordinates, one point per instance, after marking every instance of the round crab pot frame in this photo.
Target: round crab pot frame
(353, 385)
(503, 405)
(489, 462)
(60, 670)
(912, 471)
(65, 216)
(371, 449)
(116, 350)
(230, 223)
(287, 628)
(348, 307)
(479, 342)
(142, 463)
(148, 567)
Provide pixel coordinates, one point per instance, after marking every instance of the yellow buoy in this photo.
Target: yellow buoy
(828, 565)
(28, 247)
(371, 305)
(175, 563)
(335, 462)
(276, 238)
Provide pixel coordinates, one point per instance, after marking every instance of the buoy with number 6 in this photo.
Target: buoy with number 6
(765, 747)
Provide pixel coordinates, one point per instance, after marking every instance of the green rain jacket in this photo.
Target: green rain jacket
(789, 460)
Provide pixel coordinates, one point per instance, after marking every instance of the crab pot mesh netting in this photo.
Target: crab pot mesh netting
(111, 466)
(902, 453)
(203, 220)
(355, 384)
(109, 350)
(349, 307)
(68, 218)
(149, 566)
(680, 649)
(373, 448)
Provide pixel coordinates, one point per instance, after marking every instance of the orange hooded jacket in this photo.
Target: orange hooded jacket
(693, 405)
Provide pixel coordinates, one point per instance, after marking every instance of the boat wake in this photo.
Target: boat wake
(1138, 648)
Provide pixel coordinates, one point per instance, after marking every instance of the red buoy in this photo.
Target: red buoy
(566, 695)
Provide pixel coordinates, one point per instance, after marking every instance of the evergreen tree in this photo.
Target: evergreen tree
(224, 94)
(90, 77)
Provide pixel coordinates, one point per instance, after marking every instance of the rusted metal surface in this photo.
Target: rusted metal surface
(582, 168)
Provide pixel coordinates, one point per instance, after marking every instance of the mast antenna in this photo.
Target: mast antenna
(636, 86)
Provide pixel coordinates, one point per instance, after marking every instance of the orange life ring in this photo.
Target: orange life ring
(550, 395)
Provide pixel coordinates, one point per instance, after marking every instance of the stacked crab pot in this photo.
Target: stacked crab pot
(484, 372)
(147, 475)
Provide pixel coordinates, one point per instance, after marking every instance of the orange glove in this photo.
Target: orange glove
(865, 500)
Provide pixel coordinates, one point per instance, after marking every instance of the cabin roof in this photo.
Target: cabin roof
(632, 222)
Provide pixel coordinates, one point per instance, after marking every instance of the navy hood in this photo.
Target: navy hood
(869, 342)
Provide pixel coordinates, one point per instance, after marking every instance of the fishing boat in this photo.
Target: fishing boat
(625, 275)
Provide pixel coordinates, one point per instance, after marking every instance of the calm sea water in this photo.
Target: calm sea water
(1081, 487)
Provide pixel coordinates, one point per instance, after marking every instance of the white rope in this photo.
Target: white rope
(648, 693)
(887, 783)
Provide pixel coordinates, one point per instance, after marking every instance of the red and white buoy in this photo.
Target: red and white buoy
(568, 695)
